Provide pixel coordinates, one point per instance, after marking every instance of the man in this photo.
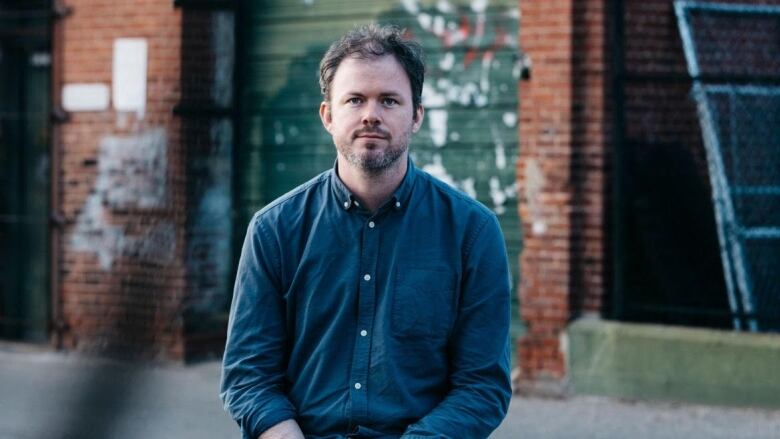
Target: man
(373, 300)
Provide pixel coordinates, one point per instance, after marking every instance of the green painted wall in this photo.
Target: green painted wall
(674, 363)
(469, 137)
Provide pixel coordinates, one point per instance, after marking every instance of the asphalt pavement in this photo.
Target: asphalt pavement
(53, 395)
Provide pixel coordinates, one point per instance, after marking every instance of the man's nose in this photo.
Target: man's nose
(372, 113)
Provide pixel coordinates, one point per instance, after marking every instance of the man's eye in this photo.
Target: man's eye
(354, 101)
(389, 102)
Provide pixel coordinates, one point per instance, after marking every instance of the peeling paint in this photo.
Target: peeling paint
(510, 118)
(436, 168)
(425, 21)
(447, 62)
(467, 186)
(534, 183)
(479, 6)
(437, 119)
(444, 7)
(411, 6)
(131, 174)
(497, 195)
(499, 147)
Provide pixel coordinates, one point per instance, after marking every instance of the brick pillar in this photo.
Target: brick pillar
(561, 179)
(122, 183)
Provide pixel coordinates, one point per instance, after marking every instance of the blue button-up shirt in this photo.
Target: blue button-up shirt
(359, 324)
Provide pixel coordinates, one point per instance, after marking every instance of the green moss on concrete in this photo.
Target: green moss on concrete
(674, 363)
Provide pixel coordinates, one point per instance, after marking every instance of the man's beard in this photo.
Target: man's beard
(375, 162)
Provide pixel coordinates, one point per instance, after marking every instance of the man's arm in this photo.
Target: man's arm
(478, 348)
(253, 368)
(284, 430)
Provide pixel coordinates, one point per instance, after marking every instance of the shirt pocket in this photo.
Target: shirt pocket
(423, 303)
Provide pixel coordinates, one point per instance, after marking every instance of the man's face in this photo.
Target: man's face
(370, 112)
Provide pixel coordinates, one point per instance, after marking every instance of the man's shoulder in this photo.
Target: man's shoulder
(294, 199)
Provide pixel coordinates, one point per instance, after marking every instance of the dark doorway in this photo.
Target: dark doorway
(24, 169)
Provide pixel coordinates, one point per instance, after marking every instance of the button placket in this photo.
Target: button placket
(367, 287)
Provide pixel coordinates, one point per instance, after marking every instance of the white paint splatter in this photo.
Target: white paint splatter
(438, 123)
(436, 168)
(479, 6)
(443, 83)
(509, 118)
(454, 136)
(500, 151)
(444, 6)
(466, 92)
(453, 93)
(131, 174)
(411, 6)
(467, 186)
(447, 61)
(497, 195)
(484, 80)
(308, 2)
(438, 26)
(431, 98)
(425, 21)
(538, 227)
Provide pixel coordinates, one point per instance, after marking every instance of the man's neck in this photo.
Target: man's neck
(373, 190)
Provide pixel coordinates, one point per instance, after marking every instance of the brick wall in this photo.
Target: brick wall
(562, 178)
(122, 180)
(670, 252)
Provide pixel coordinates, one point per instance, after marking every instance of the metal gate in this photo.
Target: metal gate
(733, 56)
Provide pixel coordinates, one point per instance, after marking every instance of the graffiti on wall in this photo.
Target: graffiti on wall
(132, 174)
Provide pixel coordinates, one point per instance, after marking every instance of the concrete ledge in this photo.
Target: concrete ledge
(674, 363)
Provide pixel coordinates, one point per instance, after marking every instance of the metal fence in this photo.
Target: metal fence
(733, 56)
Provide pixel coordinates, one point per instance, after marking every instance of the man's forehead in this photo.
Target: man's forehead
(382, 71)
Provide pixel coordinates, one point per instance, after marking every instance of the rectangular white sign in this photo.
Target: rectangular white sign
(85, 97)
(129, 74)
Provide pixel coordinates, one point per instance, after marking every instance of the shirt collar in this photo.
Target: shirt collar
(399, 200)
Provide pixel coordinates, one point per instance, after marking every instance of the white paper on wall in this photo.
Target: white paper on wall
(129, 75)
(85, 97)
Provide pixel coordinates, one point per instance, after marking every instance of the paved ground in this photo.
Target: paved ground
(56, 396)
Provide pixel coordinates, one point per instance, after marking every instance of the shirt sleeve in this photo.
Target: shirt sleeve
(253, 368)
(479, 346)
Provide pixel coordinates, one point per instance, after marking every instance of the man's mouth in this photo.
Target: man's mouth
(370, 135)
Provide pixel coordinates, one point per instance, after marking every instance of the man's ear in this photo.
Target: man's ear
(325, 115)
(417, 118)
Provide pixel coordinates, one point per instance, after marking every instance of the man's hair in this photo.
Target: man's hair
(373, 41)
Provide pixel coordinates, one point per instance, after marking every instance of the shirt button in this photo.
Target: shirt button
(371, 224)
(363, 333)
(358, 386)
(346, 204)
(397, 204)
(367, 277)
